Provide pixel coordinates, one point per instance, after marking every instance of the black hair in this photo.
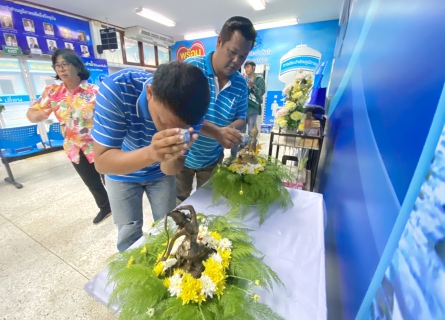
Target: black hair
(240, 24)
(182, 88)
(253, 64)
(71, 57)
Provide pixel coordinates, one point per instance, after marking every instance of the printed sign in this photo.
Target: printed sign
(38, 31)
(195, 50)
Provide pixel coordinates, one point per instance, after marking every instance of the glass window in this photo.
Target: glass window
(132, 51)
(115, 56)
(163, 55)
(149, 54)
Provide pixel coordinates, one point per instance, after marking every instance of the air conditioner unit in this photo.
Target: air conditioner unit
(143, 35)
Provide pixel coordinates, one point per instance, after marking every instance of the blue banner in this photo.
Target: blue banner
(382, 114)
(39, 31)
(271, 47)
(98, 69)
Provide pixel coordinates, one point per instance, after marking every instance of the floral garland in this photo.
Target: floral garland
(213, 278)
(297, 93)
(247, 168)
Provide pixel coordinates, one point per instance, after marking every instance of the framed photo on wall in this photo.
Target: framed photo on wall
(6, 22)
(81, 36)
(52, 46)
(32, 42)
(28, 25)
(69, 45)
(10, 39)
(48, 28)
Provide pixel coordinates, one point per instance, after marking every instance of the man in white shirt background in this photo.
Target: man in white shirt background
(49, 29)
(28, 25)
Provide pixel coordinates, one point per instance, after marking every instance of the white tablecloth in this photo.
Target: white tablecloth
(293, 242)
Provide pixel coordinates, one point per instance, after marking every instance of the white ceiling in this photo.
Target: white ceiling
(196, 15)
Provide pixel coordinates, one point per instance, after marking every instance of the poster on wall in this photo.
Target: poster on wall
(281, 51)
(196, 49)
(38, 31)
(98, 69)
(13, 93)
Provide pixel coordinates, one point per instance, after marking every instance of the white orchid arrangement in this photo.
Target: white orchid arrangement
(297, 93)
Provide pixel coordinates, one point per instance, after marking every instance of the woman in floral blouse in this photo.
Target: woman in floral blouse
(73, 104)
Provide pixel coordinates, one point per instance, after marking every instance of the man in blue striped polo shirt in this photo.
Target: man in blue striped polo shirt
(228, 103)
(138, 142)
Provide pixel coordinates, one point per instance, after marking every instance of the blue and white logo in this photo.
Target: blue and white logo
(303, 62)
(101, 77)
(258, 41)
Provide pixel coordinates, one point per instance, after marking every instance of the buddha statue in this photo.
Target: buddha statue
(247, 154)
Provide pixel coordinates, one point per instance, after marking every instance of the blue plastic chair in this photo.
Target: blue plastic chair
(55, 136)
(17, 144)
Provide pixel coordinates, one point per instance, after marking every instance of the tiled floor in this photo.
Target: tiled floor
(49, 246)
(48, 243)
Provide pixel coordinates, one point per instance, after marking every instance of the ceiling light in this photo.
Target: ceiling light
(199, 35)
(275, 24)
(149, 14)
(258, 4)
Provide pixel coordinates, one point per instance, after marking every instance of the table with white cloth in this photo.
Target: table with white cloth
(292, 241)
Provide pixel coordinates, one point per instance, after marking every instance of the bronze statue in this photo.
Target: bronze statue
(254, 134)
(190, 254)
(246, 154)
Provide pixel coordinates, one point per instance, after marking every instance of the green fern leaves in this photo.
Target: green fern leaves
(241, 191)
(140, 294)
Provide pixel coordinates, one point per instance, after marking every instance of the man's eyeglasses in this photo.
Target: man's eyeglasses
(63, 65)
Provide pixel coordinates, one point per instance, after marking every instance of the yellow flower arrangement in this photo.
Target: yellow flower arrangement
(297, 93)
(145, 287)
(248, 168)
(290, 105)
(296, 115)
(213, 278)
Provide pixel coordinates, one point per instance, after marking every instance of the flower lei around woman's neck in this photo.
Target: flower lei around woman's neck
(145, 287)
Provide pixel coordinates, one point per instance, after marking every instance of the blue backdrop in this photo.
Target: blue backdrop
(272, 44)
(98, 69)
(20, 23)
(385, 87)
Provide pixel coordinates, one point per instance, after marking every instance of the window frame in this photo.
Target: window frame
(141, 62)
